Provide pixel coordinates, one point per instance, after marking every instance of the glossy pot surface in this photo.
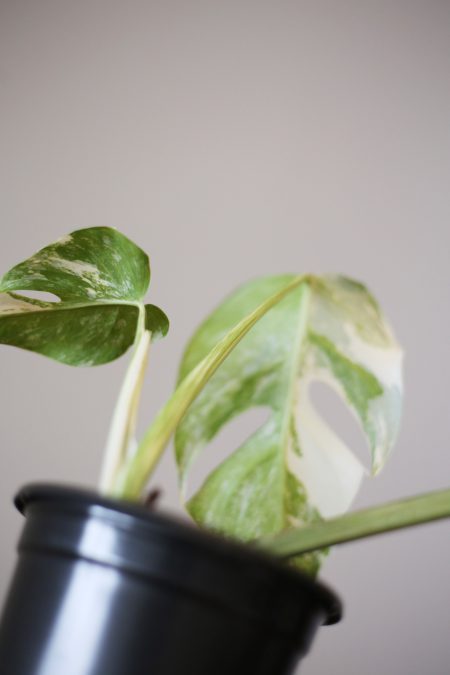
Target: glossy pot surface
(103, 587)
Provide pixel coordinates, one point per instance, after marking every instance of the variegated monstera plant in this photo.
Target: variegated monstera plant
(288, 485)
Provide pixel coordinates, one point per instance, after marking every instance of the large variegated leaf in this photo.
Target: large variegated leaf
(294, 469)
(100, 277)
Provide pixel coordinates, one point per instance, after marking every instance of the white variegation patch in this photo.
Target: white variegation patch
(77, 267)
(327, 468)
(12, 305)
(88, 272)
(384, 362)
(348, 316)
(66, 239)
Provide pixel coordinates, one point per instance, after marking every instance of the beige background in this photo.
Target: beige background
(233, 139)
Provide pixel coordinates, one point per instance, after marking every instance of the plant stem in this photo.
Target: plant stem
(360, 524)
(136, 472)
(121, 433)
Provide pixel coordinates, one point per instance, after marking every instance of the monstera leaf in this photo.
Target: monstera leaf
(100, 278)
(294, 469)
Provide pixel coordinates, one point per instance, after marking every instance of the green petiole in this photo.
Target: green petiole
(360, 524)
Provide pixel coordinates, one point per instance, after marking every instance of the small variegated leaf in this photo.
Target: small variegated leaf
(294, 469)
(100, 277)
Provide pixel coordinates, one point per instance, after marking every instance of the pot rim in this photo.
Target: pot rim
(135, 520)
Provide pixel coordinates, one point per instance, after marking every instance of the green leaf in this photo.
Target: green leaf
(294, 469)
(100, 277)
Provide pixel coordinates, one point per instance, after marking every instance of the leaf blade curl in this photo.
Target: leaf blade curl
(135, 474)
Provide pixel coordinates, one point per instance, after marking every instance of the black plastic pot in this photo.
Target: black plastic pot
(103, 587)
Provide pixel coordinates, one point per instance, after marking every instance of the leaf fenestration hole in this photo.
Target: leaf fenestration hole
(340, 419)
(39, 295)
(229, 439)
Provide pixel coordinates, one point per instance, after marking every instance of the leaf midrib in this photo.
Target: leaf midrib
(294, 365)
(64, 305)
